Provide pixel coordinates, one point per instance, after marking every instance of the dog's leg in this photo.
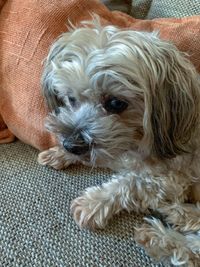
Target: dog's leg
(184, 216)
(128, 190)
(165, 243)
(125, 191)
(56, 158)
(179, 241)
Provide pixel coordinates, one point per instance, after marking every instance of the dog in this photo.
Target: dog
(129, 101)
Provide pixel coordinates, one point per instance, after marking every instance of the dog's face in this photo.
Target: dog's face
(110, 91)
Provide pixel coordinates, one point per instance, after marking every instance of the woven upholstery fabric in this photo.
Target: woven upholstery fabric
(173, 8)
(36, 228)
(120, 5)
(140, 8)
(150, 9)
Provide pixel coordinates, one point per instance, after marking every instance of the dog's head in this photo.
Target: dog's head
(112, 90)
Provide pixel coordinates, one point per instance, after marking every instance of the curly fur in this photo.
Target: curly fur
(153, 145)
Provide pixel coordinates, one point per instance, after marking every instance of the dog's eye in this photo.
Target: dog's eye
(72, 100)
(115, 105)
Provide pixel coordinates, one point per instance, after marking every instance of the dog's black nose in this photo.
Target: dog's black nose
(77, 147)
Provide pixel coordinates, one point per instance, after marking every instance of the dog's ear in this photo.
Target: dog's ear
(51, 69)
(171, 102)
(48, 89)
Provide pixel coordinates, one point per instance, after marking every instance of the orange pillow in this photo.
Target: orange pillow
(29, 27)
(2, 2)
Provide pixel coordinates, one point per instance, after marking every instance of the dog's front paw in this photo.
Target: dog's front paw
(90, 213)
(54, 157)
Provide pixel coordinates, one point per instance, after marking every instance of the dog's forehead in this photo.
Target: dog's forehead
(98, 73)
(100, 86)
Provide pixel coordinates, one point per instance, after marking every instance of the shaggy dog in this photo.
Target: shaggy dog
(129, 101)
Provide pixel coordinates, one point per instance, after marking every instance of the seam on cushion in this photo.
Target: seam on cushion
(38, 41)
(22, 47)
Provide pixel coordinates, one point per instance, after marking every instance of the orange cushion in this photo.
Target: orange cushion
(2, 2)
(28, 28)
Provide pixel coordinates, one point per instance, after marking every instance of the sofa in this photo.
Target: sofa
(36, 227)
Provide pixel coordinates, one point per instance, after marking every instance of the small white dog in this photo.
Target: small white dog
(129, 101)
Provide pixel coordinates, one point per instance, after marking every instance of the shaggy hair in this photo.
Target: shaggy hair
(129, 101)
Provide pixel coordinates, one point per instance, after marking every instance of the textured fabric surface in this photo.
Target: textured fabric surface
(28, 28)
(173, 8)
(36, 228)
(120, 5)
(150, 9)
(2, 2)
(140, 8)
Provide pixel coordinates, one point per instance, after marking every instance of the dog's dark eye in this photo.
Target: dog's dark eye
(72, 100)
(115, 105)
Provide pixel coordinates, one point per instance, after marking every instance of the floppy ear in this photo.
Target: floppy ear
(51, 66)
(171, 101)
